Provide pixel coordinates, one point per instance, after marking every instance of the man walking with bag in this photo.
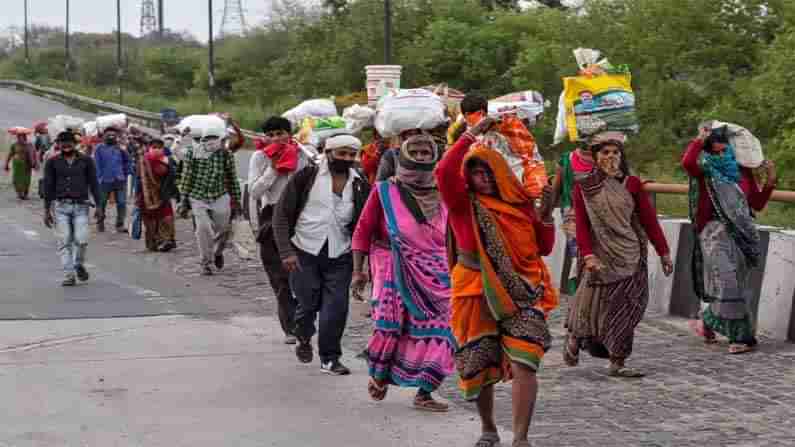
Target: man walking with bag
(69, 177)
(210, 188)
(273, 164)
(313, 224)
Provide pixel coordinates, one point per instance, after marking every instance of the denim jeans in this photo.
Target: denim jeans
(321, 288)
(71, 228)
(120, 187)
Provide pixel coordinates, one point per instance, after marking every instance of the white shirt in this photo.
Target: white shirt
(264, 182)
(326, 216)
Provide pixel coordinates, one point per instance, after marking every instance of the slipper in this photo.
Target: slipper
(377, 392)
(739, 348)
(627, 373)
(488, 439)
(570, 358)
(430, 404)
(698, 327)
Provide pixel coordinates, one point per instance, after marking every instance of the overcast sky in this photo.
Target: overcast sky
(100, 15)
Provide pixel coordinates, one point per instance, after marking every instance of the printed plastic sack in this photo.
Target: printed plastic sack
(747, 148)
(526, 105)
(358, 118)
(313, 108)
(523, 145)
(60, 123)
(314, 132)
(118, 121)
(401, 110)
(599, 103)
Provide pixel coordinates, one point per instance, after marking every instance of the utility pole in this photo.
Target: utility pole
(211, 64)
(120, 72)
(387, 32)
(160, 15)
(66, 43)
(27, 47)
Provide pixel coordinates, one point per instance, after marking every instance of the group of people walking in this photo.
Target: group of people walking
(449, 237)
(196, 171)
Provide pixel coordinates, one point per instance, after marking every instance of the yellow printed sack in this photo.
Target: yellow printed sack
(598, 103)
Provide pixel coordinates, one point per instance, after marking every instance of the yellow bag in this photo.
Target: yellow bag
(599, 103)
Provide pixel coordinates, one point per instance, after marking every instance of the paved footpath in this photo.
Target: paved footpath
(223, 378)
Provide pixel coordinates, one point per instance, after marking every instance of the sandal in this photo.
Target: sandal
(570, 357)
(430, 404)
(698, 327)
(377, 392)
(624, 372)
(739, 348)
(521, 443)
(488, 439)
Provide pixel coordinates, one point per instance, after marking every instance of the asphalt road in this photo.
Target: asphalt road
(22, 109)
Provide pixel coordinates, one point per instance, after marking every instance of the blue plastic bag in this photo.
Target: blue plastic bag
(136, 224)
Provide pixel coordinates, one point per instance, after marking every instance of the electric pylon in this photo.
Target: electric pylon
(148, 18)
(234, 20)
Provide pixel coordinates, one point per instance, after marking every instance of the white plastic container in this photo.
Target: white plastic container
(381, 79)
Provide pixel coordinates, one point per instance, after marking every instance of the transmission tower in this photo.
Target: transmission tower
(148, 18)
(234, 21)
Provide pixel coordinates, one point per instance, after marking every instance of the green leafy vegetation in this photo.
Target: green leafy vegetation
(732, 60)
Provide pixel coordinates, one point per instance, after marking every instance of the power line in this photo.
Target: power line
(234, 19)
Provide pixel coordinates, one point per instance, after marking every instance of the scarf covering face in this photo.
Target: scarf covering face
(283, 156)
(416, 179)
(514, 275)
(204, 150)
(722, 168)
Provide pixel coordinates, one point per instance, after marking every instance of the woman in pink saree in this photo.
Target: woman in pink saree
(412, 344)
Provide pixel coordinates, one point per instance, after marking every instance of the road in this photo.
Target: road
(148, 353)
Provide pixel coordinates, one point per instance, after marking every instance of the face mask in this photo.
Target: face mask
(339, 166)
(211, 146)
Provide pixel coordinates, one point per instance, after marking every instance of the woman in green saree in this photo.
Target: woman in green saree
(21, 161)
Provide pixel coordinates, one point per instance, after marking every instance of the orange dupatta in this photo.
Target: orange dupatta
(504, 232)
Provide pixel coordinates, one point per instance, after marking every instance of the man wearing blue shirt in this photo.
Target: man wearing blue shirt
(113, 167)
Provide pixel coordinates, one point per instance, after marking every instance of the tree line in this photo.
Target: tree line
(691, 60)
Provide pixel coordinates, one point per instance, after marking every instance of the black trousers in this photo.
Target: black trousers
(280, 283)
(322, 287)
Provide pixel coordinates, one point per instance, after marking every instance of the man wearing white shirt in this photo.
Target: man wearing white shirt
(276, 160)
(313, 224)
